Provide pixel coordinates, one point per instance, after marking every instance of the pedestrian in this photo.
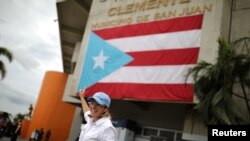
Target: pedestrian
(40, 135)
(37, 135)
(34, 135)
(47, 135)
(16, 130)
(99, 126)
(1, 126)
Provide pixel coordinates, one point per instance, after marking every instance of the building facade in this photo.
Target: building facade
(169, 120)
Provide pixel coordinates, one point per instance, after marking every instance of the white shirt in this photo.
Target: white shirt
(101, 130)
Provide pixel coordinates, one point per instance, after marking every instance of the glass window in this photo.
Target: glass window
(150, 131)
(168, 134)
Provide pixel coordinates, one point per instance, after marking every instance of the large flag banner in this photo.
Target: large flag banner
(150, 63)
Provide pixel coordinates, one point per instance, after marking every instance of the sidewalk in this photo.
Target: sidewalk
(8, 139)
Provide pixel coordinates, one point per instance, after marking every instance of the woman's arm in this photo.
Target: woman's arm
(85, 106)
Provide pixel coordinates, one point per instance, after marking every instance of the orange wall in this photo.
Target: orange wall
(50, 112)
(25, 128)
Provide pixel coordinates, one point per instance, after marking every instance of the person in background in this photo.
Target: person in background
(1, 127)
(37, 132)
(16, 130)
(47, 135)
(99, 126)
(40, 134)
(33, 135)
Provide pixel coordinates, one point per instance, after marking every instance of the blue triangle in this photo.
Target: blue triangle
(99, 49)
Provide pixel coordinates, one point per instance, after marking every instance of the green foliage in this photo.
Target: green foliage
(9, 56)
(19, 116)
(214, 83)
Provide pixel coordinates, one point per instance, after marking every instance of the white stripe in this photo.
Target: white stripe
(175, 74)
(175, 40)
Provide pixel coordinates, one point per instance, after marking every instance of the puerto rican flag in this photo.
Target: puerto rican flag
(146, 61)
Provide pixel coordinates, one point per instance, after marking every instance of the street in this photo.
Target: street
(8, 139)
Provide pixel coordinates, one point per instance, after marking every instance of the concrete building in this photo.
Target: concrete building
(170, 119)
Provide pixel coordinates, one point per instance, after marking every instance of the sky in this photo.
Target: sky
(29, 29)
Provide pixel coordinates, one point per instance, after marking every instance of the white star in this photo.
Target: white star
(99, 60)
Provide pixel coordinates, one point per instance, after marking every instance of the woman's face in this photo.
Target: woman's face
(96, 110)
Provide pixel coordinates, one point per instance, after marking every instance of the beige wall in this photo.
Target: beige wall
(235, 25)
(240, 26)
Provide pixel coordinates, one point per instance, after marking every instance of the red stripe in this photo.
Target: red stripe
(164, 57)
(156, 92)
(155, 27)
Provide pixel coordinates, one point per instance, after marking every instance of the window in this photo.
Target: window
(150, 132)
(155, 138)
(168, 134)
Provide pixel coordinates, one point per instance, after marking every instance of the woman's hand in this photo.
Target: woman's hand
(82, 93)
(85, 106)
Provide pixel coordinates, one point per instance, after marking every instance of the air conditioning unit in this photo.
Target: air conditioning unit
(124, 134)
(157, 138)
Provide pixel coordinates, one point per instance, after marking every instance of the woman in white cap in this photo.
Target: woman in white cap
(99, 126)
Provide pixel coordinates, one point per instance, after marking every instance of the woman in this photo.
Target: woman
(99, 126)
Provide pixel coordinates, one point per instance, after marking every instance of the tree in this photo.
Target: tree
(18, 116)
(8, 55)
(215, 84)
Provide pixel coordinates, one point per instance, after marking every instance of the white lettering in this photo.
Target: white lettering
(215, 131)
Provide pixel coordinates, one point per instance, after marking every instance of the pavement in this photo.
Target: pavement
(8, 139)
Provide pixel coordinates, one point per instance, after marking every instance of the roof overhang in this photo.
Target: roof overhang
(72, 18)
